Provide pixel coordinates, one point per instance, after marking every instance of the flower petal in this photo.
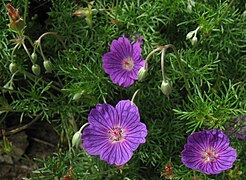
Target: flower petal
(104, 115)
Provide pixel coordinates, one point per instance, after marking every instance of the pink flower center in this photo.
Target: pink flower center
(116, 134)
(127, 64)
(209, 155)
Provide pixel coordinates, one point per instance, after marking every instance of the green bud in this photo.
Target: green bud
(142, 73)
(189, 7)
(13, 67)
(166, 88)
(76, 139)
(194, 41)
(77, 96)
(190, 34)
(9, 86)
(34, 57)
(48, 66)
(36, 69)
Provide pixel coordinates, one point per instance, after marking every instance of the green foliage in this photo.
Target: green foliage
(215, 69)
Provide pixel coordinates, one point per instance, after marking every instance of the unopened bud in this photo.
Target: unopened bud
(194, 41)
(166, 88)
(48, 66)
(34, 57)
(9, 86)
(36, 69)
(13, 67)
(77, 96)
(142, 73)
(189, 7)
(76, 139)
(189, 35)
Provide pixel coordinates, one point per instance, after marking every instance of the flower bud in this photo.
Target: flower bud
(142, 73)
(189, 8)
(34, 57)
(189, 35)
(77, 96)
(48, 66)
(194, 41)
(13, 67)
(76, 139)
(36, 69)
(16, 23)
(9, 86)
(166, 88)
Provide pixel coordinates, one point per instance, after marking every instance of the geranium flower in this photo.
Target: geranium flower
(123, 62)
(237, 127)
(114, 132)
(209, 152)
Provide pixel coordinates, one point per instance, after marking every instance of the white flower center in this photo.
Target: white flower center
(116, 134)
(127, 63)
(209, 155)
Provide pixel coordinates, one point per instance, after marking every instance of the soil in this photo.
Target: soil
(38, 141)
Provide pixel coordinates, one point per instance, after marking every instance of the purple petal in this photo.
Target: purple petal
(104, 116)
(93, 140)
(128, 113)
(116, 154)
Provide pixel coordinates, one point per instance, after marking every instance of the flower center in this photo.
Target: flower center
(127, 63)
(209, 155)
(116, 134)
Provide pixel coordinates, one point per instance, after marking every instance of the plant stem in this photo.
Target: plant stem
(150, 54)
(134, 95)
(162, 64)
(180, 66)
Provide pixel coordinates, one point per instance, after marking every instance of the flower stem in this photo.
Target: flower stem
(134, 95)
(180, 66)
(150, 54)
(162, 64)
(82, 127)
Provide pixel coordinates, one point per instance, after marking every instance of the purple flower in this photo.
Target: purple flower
(123, 62)
(237, 127)
(209, 152)
(114, 132)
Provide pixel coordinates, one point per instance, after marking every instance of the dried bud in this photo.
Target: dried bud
(16, 23)
(48, 66)
(82, 12)
(13, 67)
(142, 73)
(36, 69)
(76, 139)
(194, 41)
(166, 88)
(34, 57)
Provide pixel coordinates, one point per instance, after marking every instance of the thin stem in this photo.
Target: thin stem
(134, 95)
(51, 33)
(162, 64)
(12, 54)
(28, 53)
(150, 54)
(82, 127)
(180, 66)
